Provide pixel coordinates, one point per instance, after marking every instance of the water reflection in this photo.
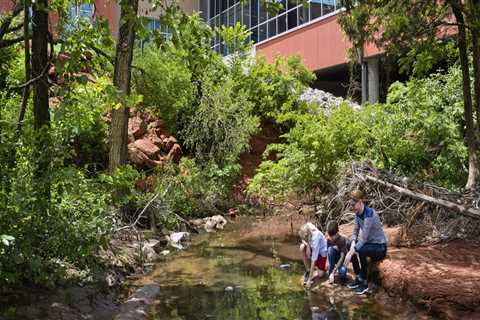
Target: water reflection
(224, 277)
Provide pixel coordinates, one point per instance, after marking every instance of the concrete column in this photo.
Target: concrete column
(373, 80)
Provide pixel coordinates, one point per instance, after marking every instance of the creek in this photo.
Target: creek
(227, 275)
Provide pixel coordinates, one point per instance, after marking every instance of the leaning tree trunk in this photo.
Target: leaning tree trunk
(475, 31)
(41, 113)
(467, 100)
(121, 80)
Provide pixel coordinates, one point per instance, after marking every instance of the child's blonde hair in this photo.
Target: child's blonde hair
(303, 232)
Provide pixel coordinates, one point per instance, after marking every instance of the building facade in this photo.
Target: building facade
(310, 31)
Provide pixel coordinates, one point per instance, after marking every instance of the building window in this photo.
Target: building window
(82, 12)
(262, 25)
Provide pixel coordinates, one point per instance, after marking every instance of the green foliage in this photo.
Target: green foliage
(6, 64)
(193, 191)
(220, 128)
(274, 88)
(419, 132)
(78, 121)
(68, 227)
(165, 81)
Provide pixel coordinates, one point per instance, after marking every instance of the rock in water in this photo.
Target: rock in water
(137, 306)
(179, 240)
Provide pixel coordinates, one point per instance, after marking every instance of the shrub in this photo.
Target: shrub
(220, 128)
(419, 131)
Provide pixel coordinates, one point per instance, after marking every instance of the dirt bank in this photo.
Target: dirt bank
(443, 278)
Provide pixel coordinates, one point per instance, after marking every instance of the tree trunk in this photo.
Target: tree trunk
(121, 80)
(467, 100)
(41, 113)
(26, 90)
(474, 14)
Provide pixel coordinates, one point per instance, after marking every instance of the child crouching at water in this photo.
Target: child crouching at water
(314, 252)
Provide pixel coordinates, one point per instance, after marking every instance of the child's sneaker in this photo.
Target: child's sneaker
(355, 284)
(361, 289)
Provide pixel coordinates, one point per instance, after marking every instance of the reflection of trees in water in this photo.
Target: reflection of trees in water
(271, 299)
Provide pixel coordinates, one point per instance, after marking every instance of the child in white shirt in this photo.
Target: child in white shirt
(314, 252)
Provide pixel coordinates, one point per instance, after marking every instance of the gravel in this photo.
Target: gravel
(325, 101)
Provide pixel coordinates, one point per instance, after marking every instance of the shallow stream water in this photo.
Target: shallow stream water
(234, 274)
(227, 276)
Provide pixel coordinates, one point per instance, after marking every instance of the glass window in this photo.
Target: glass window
(292, 4)
(204, 9)
(212, 8)
(292, 19)
(238, 13)
(282, 23)
(272, 28)
(254, 35)
(224, 5)
(263, 14)
(315, 9)
(231, 3)
(217, 6)
(246, 15)
(302, 15)
(223, 19)
(231, 16)
(262, 32)
(328, 6)
(254, 12)
(82, 12)
(284, 6)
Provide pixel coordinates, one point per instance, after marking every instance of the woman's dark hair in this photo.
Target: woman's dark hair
(332, 228)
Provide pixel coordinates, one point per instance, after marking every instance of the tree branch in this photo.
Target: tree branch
(10, 42)
(44, 71)
(4, 27)
(16, 28)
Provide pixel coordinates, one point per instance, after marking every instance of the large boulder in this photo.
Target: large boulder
(168, 143)
(152, 136)
(137, 127)
(138, 305)
(139, 158)
(175, 153)
(148, 147)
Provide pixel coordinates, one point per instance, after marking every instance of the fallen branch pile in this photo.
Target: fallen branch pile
(427, 213)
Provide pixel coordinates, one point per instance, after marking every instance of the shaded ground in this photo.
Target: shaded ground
(443, 278)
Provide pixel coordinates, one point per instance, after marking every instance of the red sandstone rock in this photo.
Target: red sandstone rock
(175, 153)
(147, 147)
(139, 158)
(155, 124)
(131, 138)
(137, 127)
(171, 141)
(155, 139)
(52, 71)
